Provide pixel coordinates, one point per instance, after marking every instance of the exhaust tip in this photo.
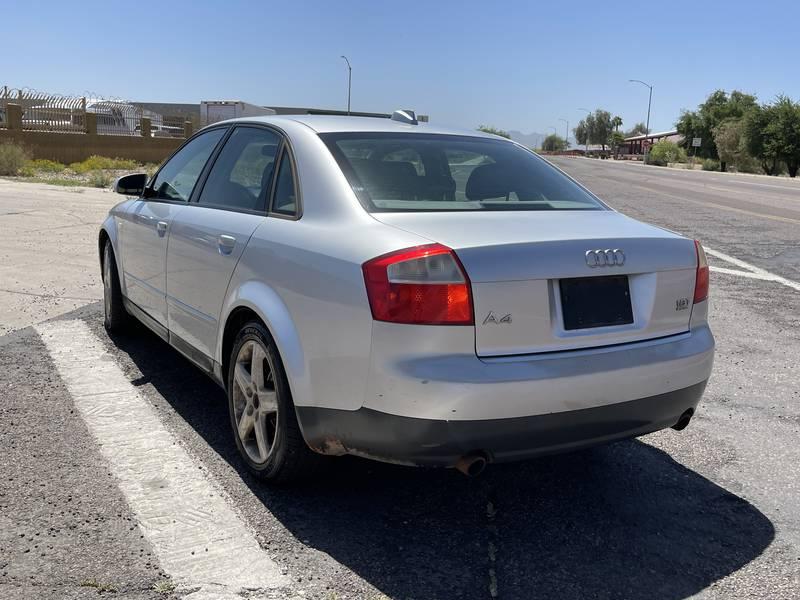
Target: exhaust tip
(471, 465)
(684, 420)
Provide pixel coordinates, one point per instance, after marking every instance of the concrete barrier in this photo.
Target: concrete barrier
(74, 147)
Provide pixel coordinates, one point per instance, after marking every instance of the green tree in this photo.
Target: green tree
(760, 139)
(581, 133)
(600, 127)
(718, 108)
(785, 123)
(596, 128)
(615, 141)
(638, 129)
(554, 143)
(729, 140)
(494, 131)
(772, 135)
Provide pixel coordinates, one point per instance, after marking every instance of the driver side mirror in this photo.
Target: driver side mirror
(131, 185)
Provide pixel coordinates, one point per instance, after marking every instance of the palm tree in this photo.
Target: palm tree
(616, 123)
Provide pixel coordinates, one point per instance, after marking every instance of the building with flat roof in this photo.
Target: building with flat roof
(636, 145)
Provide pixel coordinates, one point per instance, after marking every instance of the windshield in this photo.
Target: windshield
(412, 172)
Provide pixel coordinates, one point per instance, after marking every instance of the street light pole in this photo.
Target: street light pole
(349, 81)
(588, 112)
(647, 125)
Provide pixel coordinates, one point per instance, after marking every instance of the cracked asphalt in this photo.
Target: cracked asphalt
(710, 512)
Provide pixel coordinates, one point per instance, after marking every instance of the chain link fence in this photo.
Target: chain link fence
(68, 114)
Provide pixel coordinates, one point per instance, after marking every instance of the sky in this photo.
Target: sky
(513, 65)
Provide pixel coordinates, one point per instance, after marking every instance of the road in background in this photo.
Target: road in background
(710, 511)
(753, 218)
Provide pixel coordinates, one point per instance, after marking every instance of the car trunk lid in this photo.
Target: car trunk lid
(535, 291)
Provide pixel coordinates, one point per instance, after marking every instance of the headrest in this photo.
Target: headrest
(489, 181)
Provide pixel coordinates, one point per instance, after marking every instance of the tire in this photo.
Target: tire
(116, 317)
(262, 412)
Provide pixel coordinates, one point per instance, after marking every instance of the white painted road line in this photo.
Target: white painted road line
(198, 538)
(751, 271)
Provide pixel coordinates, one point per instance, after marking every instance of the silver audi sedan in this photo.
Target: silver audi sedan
(407, 293)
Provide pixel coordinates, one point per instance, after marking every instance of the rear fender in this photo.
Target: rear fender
(270, 308)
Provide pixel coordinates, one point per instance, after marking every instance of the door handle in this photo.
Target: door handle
(226, 243)
(161, 228)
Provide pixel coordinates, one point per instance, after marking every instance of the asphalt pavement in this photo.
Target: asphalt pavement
(711, 512)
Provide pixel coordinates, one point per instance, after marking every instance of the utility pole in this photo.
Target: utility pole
(349, 81)
(647, 125)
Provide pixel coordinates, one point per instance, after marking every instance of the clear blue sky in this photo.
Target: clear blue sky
(515, 65)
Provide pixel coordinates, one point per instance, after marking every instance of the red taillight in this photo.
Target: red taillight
(425, 285)
(701, 278)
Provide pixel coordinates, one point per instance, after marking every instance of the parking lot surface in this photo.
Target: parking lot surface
(708, 512)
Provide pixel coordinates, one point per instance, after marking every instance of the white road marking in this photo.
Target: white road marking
(198, 538)
(751, 271)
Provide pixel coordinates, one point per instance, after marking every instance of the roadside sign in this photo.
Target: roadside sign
(696, 142)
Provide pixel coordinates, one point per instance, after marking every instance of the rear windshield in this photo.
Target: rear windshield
(414, 172)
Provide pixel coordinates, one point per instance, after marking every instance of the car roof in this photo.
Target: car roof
(341, 124)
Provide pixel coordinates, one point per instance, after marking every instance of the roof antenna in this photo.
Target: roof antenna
(405, 116)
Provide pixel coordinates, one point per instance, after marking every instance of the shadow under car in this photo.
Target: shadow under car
(617, 521)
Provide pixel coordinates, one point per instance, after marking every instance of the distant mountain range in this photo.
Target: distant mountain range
(532, 140)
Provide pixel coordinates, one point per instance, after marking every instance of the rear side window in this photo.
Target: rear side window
(177, 178)
(285, 199)
(416, 172)
(242, 173)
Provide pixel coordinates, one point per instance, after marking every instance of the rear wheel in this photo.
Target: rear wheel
(262, 412)
(116, 317)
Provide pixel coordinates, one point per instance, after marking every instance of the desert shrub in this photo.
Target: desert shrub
(99, 179)
(45, 165)
(100, 163)
(665, 152)
(709, 164)
(12, 158)
(748, 164)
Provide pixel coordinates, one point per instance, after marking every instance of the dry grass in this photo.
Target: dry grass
(12, 158)
(95, 171)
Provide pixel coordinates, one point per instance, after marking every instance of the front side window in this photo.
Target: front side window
(242, 173)
(177, 178)
(415, 172)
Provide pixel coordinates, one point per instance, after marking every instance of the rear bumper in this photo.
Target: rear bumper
(426, 406)
(407, 440)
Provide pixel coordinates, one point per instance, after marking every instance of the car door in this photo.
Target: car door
(208, 237)
(145, 230)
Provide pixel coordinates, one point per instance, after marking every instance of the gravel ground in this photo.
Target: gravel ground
(64, 525)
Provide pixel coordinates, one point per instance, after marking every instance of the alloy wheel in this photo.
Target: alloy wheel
(255, 401)
(107, 289)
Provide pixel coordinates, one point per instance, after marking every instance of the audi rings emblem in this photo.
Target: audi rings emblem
(605, 258)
